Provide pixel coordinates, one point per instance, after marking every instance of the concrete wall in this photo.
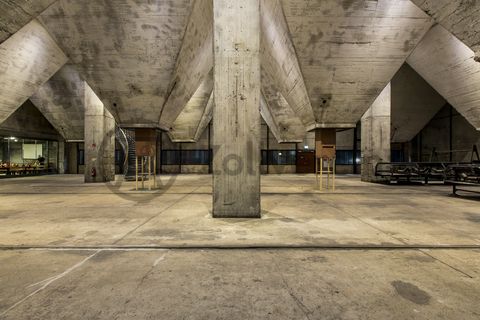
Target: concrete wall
(414, 103)
(448, 130)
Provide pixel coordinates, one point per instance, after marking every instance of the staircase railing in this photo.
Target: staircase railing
(123, 141)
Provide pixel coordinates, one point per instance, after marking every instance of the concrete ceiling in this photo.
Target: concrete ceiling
(323, 62)
(15, 14)
(349, 50)
(61, 100)
(460, 17)
(193, 64)
(447, 64)
(27, 60)
(126, 50)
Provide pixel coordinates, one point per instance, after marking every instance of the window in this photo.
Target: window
(186, 157)
(195, 157)
(398, 156)
(170, 157)
(279, 157)
(81, 157)
(344, 157)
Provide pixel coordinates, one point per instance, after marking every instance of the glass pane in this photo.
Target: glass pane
(170, 157)
(344, 157)
(195, 157)
(52, 156)
(282, 157)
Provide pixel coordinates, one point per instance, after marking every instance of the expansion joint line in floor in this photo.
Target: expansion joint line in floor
(240, 247)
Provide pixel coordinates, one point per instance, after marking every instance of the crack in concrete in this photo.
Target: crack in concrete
(49, 281)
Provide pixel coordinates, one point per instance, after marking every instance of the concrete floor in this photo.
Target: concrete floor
(76, 251)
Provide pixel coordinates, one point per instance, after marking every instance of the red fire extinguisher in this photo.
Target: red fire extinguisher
(93, 172)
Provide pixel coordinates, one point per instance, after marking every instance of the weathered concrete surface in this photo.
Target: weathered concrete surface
(414, 104)
(283, 121)
(268, 118)
(194, 62)
(264, 284)
(27, 60)
(448, 66)
(280, 67)
(99, 139)
(63, 211)
(14, 15)
(187, 125)
(61, 101)
(125, 50)
(462, 18)
(349, 50)
(27, 121)
(206, 119)
(376, 135)
(236, 116)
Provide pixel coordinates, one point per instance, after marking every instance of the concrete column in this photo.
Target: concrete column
(99, 140)
(236, 115)
(61, 157)
(376, 135)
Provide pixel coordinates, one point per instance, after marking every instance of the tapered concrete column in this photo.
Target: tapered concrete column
(236, 115)
(376, 135)
(99, 140)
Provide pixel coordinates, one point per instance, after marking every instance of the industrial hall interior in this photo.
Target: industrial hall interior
(239, 159)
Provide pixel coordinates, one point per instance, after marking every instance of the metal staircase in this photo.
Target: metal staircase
(121, 138)
(126, 139)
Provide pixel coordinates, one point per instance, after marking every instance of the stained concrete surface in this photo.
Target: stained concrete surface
(60, 214)
(63, 211)
(238, 284)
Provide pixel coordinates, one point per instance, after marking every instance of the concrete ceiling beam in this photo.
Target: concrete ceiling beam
(61, 101)
(187, 125)
(268, 118)
(279, 61)
(27, 60)
(462, 18)
(447, 64)
(194, 62)
(14, 15)
(206, 117)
